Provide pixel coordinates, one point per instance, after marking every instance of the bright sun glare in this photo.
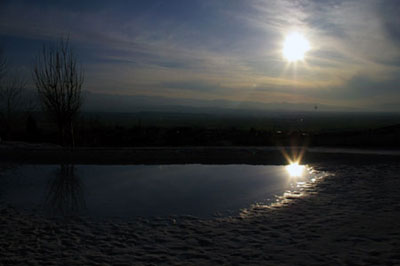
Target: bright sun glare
(295, 170)
(295, 47)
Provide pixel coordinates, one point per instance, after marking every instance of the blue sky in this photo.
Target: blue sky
(220, 49)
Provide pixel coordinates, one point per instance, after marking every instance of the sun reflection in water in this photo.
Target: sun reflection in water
(295, 170)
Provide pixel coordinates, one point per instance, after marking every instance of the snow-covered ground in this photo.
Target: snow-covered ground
(350, 217)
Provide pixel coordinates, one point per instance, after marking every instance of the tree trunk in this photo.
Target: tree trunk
(61, 129)
(72, 135)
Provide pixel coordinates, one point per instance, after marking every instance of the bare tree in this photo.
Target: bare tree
(3, 65)
(3, 68)
(14, 97)
(12, 101)
(11, 95)
(59, 78)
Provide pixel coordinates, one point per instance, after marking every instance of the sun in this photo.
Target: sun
(295, 47)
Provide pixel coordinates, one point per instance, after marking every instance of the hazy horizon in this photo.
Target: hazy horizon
(100, 102)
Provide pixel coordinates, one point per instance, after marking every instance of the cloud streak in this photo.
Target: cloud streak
(224, 49)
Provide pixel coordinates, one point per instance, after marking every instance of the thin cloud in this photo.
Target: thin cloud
(224, 49)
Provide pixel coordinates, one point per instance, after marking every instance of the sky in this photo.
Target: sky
(219, 50)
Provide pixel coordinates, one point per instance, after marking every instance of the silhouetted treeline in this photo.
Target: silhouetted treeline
(93, 133)
(173, 136)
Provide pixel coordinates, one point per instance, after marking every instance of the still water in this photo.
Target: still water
(126, 192)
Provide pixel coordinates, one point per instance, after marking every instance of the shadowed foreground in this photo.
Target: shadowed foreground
(350, 218)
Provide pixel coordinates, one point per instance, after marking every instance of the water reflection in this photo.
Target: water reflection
(295, 170)
(65, 194)
(126, 191)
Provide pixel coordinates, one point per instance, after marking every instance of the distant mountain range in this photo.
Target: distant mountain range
(96, 102)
